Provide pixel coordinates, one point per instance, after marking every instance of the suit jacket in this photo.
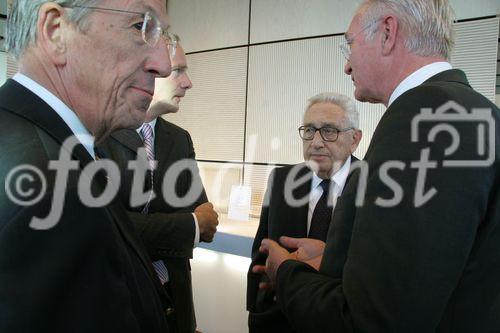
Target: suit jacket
(167, 231)
(277, 219)
(89, 272)
(431, 268)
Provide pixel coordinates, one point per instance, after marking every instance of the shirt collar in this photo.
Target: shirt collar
(152, 123)
(418, 77)
(66, 114)
(339, 178)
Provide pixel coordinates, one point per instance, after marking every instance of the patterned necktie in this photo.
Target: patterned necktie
(148, 138)
(322, 214)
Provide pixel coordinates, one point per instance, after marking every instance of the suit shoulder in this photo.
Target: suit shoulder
(284, 171)
(20, 140)
(175, 129)
(436, 93)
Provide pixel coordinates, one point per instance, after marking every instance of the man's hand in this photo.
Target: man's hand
(208, 219)
(275, 257)
(309, 250)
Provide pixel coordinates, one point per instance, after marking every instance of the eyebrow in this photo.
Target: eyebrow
(321, 125)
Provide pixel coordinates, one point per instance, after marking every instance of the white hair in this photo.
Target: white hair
(344, 102)
(23, 17)
(426, 24)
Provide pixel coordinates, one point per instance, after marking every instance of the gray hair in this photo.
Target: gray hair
(426, 24)
(23, 17)
(344, 102)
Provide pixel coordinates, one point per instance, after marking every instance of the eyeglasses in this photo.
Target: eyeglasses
(345, 47)
(150, 28)
(327, 133)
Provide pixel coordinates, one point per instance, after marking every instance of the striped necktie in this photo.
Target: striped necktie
(148, 138)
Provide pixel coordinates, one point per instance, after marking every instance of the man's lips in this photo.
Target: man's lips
(318, 156)
(146, 91)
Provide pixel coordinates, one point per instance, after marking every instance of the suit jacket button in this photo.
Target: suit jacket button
(169, 311)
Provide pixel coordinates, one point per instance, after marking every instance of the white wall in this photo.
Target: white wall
(214, 24)
(465, 9)
(3, 67)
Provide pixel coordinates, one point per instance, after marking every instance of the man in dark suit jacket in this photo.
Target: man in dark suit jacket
(67, 265)
(169, 231)
(424, 248)
(330, 135)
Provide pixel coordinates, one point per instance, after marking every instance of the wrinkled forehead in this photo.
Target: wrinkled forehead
(325, 114)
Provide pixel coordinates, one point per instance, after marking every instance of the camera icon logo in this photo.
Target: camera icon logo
(452, 112)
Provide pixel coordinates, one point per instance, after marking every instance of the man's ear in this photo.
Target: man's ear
(358, 134)
(389, 34)
(51, 32)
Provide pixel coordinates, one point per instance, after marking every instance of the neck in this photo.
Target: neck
(406, 66)
(150, 117)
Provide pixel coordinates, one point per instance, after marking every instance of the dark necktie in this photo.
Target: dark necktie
(322, 214)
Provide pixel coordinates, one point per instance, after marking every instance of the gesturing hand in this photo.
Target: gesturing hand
(309, 250)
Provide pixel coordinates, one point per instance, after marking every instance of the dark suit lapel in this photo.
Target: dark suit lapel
(164, 144)
(297, 221)
(128, 138)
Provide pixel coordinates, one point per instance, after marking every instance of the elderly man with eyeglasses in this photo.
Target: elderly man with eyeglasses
(86, 68)
(420, 252)
(300, 198)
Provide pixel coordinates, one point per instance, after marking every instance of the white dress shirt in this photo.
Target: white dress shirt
(418, 77)
(196, 241)
(338, 182)
(66, 114)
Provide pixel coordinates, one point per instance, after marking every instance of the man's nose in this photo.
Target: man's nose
(348, 68)
(317, 140)
(158, 61)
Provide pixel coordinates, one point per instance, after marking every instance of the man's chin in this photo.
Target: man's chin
(163, 107)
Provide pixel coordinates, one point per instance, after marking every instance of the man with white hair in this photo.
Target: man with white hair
(330, 135)
(423, 249)
(70, 260)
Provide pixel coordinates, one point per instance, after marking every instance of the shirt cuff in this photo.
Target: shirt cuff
(196, 231)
